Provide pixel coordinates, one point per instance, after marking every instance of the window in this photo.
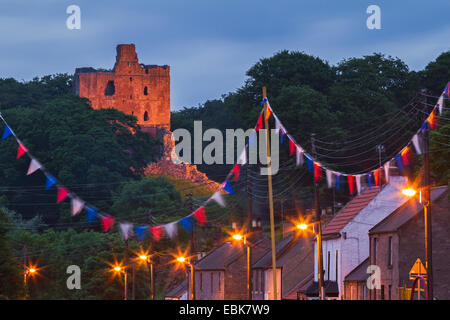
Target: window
(390, 292)
(146, 116)
(219, 289)
(336, 265)
(374, 250)
(145, 91)
(328, 271)
(382, 292)
(110, 88)
(390, 252)
(201, 281)
(131, 79)
(212, 281)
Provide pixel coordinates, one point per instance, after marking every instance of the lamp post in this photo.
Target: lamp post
(149, 263)
(239, 237)
(120, 270)
(187, 261)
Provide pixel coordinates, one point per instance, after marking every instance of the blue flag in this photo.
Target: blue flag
(369, 180)
(91, 214)
(336, 178)
(140, 232)
(399, 160)
(6, 133)
(282, 137)
(187, 223)
(310, 164)
(227, 187)
(50, 181)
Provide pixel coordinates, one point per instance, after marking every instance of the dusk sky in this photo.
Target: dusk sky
(210, 44)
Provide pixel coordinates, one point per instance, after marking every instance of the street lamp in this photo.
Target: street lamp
(187, 261)
(239, 237)
(145, 258)
(119, 269)
(409, 192)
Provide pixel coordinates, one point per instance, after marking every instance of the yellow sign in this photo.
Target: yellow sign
(417, 270)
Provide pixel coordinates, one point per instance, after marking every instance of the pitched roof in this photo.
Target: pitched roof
(406, 212)
(359, 273)
(301, 286)
(351, 210)
(178, 291)
(266, 260)
(220, 257)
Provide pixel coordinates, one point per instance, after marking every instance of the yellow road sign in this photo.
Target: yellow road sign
(417, 269)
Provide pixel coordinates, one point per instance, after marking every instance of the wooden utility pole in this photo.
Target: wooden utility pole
(269, 180)
(126, 270)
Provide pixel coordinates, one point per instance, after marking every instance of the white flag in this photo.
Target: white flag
(277, 124)
(386, 171)
(77, 205)
(34, 165)
(416, 144)
(329, 178)
(218, 198)
(126, 229)
(440, 104)
(243, 157)
(358, 183)
(171, 229)
(299, 156)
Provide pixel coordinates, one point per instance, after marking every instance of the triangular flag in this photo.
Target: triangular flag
(126, 229)
(399, 160)
(329, 174)
(336, 180)
(369, 180)
(171, 229)
(263, 101)
(277, 123)
(317, 171)
(243, 157)
(282, 136)
(61, 194)
(259, 123)
(21, 150)
(218, 198)
(358, 183)
(77, 205)
(91, 214)
(49, 181)
(440, 104)
(416, 143)
(447, 89)
(268, 113)
(226, 186)
(292, 147)
(350, 184)
(107, 223)
(34, 165)
(200, 215)
(299, 157)
(187, 223)
(386, 171)
(376, 175)
(309, 164)
(157, 232)
(235, 171)
(432, 121)
(6, 133)
(140, 232)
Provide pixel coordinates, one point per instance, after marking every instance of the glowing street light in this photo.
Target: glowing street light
(409, 192)
(181, 259)
(237, 237)
(302, 226)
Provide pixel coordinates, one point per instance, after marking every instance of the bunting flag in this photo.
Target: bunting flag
(376, 176)
(277, 124)
(282, 137)
(329, 178)
(21, 150)
(140, 232)
(358, 183)
(126, 230)
(386, 171)
(49, 181)
(187, 223)
(243, 157)
(200, 215)
(259, 123)
(432, 121)
(404, 155)
(317, 171)
(217, 197)
(34, 165)
(171, 229)
(309, 164)
(440, 104)
(6, 132)
(268, 112)
(299, 157)
(62, 194)
(77, 205)
(226, 186)
(336, 180)
(416, 143)
(263, 101)
(398, 159)
(91, 214)
(235, 171)
(156, 232)
(107, 223)
(292, 147)
(447, 89)
(369, 180)
(350, 184)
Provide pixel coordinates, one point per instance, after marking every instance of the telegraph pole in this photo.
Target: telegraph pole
(191, 208)
(269, 180)
(249, 231)
(126, 269)
(319, 229)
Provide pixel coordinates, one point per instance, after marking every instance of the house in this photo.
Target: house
(294, 263)
(345, 240)
(178, 293)
(298, 292)
(222, 273)
(397, 241)
(355, 283)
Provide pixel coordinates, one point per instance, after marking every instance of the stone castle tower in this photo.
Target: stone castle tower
(134, 88)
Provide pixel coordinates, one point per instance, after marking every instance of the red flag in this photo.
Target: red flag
(405, 156)
(62, 194)
(292, 147)
(432, 121)
(317, 171)
(22, 150)
(351, 187)
(235, 170)
(107, 223)
(259, 124)
(157, 232)
(200, 215)
(376, 175)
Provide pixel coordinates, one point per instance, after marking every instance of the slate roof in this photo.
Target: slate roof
(359, 273)
(351, 210)
(178, 291)
(266, 260)
(406, 212)
(299, 287)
